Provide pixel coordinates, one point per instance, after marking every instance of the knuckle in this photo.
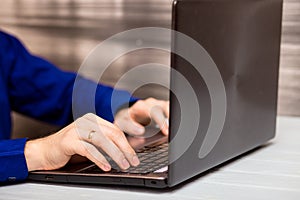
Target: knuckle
(78, 120)
(116, 135)
(139, 103)
(151, 100)
(106, 134)
(88, 115)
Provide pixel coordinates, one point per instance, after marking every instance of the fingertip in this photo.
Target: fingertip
(125, 164)
(135, 161)
(165, 128)
(106, 167)
(165, 131)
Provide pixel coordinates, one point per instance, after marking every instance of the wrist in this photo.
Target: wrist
(33, 155)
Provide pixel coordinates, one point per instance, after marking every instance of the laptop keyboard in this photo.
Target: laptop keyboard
(151, 159)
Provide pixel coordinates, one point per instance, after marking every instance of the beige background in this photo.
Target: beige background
(65, 31)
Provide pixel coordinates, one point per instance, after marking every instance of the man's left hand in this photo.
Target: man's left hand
(132, 120)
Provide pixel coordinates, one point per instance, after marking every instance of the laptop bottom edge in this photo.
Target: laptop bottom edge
(151, 180)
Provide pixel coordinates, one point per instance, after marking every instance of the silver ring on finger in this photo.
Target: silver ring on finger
(90, 136)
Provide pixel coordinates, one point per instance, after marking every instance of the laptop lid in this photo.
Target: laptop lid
(242, 38)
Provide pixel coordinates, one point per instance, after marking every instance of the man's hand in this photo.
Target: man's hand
(132, 120)
(84, 137)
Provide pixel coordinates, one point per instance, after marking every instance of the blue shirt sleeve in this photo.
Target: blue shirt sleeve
(39, 89)
(13, 165)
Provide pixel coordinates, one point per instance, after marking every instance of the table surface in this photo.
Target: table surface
(270, 172)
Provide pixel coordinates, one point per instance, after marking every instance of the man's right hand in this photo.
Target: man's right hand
(84, 137)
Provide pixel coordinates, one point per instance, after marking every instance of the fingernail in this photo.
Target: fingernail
(106, 167)
(125, 164)
(135, 160)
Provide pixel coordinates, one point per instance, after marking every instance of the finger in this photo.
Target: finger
(157, 114)
(165, 105)
(123, 144)
(91, 152)
(136, 142)
(166, 108)
(139, 112)
(129, 126)
(99, 134)
(116, 154)
(103, 139)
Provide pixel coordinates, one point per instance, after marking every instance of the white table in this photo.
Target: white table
(271, 172)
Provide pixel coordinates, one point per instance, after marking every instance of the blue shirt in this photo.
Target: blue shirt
(32, 86)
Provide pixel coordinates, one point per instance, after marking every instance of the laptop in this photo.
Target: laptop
(231, 117)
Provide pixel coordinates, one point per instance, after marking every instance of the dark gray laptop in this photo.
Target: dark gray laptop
(242, 38)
